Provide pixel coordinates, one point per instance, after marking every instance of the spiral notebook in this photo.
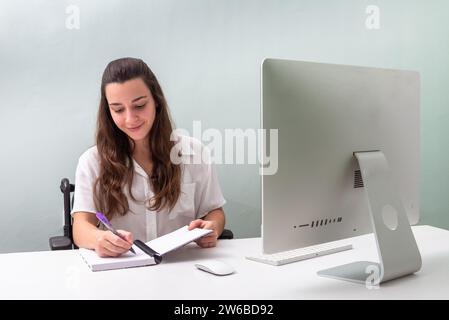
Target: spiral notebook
(161, 246)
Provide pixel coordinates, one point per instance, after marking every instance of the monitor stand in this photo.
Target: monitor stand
(396, 245)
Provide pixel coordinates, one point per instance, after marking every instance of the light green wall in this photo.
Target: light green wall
(206, 55)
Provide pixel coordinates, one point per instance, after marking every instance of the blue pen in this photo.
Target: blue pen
(109, 226)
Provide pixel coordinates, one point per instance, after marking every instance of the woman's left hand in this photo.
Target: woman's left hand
(209, 240)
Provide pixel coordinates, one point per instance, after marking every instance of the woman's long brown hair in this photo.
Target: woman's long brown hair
(115, 148)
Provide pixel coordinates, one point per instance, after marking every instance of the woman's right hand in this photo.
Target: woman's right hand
(110, 245)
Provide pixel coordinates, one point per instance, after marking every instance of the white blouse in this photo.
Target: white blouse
(200, 194)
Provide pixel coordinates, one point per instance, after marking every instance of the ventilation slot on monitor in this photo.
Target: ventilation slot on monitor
(358, 181)
(319, 223)
(322, 222)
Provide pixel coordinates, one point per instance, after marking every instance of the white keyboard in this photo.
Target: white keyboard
(280, 258)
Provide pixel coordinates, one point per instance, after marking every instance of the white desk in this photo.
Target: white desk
(64, 275)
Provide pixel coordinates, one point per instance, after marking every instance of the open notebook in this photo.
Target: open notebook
(161, 246)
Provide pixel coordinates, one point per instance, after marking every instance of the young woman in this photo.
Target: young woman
(129, 175)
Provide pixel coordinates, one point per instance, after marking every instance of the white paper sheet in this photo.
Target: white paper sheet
(176, 239)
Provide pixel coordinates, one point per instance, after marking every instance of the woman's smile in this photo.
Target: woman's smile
(136, 128)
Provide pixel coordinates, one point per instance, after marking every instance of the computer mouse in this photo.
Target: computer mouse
(215, 267)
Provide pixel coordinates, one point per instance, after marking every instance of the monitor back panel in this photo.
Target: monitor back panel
(324, 113)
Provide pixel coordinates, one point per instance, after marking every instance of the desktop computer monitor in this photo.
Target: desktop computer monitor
(324, 114)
